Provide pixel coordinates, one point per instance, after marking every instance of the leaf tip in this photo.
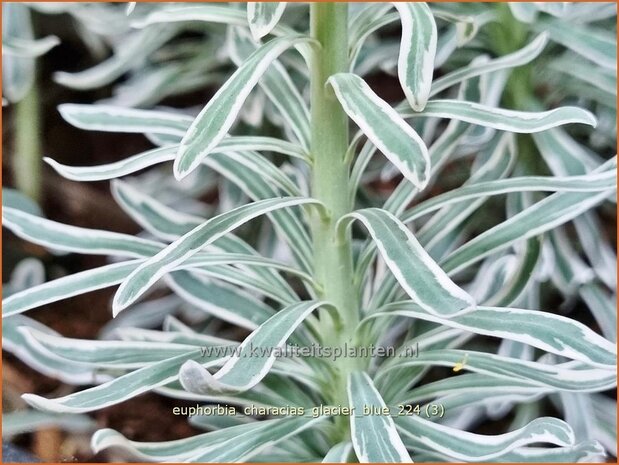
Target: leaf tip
(41, 403)
(121, 301)
(197, 379)
(180, 172)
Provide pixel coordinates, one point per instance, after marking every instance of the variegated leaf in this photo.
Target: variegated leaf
(420, 276)
(218, 116)
(381, 124)
(417, 52)
(255, 357)
(263, 16)
(374, 436)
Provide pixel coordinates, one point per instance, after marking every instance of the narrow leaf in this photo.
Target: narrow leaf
(571, 376)
(417, 52)
(422, 279)
(471, 447)
(374, 436)
(499, 118)
(218, 116)
(384, 127)
(118, 119)
(255, 357)
(68, 286)
(117, 390)
(191, 243)
(263, 16)
(233, 444)
(553, 333)
(58, 236)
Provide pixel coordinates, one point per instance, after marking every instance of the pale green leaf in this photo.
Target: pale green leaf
(374, 436)
(263, 16)
(502, 119)
(255, 357)
(553, 333)
(471, 447)
(218, 116)
(417, 52)
(381, 124)
(422, 279)
(191, 243)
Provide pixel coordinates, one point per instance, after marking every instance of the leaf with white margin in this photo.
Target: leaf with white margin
(277, 85)
(552, 333)
(471, 447)
(598, 251)
(572, 65)
(384, 127)
(19, 201)
(204, 12)
(422, 279)
(27, 273)
(374, 436)
(245, 447)
(288, 224)
(583, 452)
(119, 389)
(14, 342)
(594, 44)
(417, 52)
(136, 47)
(263, 16)
(68, 238)
(603, 306)
(524, 11)
(255, 435)
(232, 167)
(521, 122)
(224, 302)
(605, 410)
(571, 376)
(255, 356)
(470, 384)
(191, 243)
(168, 335)
(117, 169)
(68, 286)
(170, 224)
(542, 216)
(518, 58)
(587, 183)
(119, 119)
(116, 354)
(217, 117)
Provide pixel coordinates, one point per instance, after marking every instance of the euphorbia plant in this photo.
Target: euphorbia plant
(340, 266)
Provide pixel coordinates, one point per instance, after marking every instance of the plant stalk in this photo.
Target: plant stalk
(333, 264)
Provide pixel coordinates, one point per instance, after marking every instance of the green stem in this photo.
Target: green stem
(333, 264)
(27, 160)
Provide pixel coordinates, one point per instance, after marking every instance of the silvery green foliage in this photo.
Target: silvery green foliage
(19, 51)
(29, 273)
(486, 271)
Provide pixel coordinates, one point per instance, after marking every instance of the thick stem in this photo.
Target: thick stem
(330, 181)
(333, 263)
